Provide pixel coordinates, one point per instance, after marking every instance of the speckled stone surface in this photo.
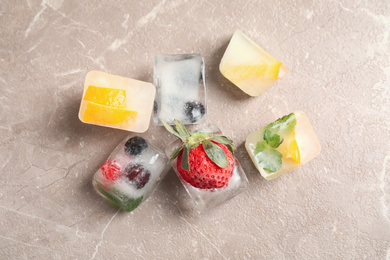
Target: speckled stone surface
(335, 207)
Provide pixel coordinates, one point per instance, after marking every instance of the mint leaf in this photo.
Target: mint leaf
(132, 204)
(282, 127)
(129, 204)
(107, 194)
(272, 139)
(267, 157)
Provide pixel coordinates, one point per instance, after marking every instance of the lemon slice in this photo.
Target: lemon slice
(101, 114)
(106, 96)
(293, 152)
(289, 149)
(242, 72)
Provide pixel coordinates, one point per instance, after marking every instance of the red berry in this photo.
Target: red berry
(203, 173)
(138, 175)
(210, 162)
(110, 170)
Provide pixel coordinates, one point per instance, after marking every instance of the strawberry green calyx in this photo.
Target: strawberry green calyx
(191, 140)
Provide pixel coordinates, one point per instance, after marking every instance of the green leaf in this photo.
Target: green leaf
(172, 130)
(216, 154)
(175, 153)
(222, 139)
(231, 148)
(129, 204)
(282, 127)
(106, 193)
(267, 157)
(184, 159)
(181, 129)
(272, 139)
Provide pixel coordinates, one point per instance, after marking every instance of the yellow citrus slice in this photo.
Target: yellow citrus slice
(289, 148)
(106, 96)
(293, 152)
(241, 72)
(96, 113)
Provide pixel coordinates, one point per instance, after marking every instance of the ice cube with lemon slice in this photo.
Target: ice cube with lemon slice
(117, 102)
(283, 145)
(248, 66)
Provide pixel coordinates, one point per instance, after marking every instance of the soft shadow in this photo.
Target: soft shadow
(68, 126)
(250, 170)
(170, 186)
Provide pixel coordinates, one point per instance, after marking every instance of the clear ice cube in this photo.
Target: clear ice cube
(131, 173)
(249, 66)
(181, 90)
(117, 102)
(205, 199)
(297, 145)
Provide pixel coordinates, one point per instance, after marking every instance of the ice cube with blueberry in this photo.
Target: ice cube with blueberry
(131, 173)
(181, 90)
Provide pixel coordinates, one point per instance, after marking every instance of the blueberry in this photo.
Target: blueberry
(137, 175)
(194, 110)
(136, 145)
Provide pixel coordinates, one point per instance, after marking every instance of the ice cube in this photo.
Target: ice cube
(205, 199)
(131, 173)
(180, 84)
(117, 102)
(248, 66)
(283, 145)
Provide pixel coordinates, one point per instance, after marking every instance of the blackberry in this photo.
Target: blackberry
(137, 174)
(135, 145)
(194, 110)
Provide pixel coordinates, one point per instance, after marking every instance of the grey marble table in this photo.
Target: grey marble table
(335, 207)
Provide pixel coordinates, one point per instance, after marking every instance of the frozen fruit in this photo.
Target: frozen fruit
(117, 102)
(137, 174)
(181, 89)
(110, 170)
(283, 145)
(204, 173)
(96, 113)
(131, 172)
(135, 145)
(204, 160)
(194, 110)
(289, 148)
(106, 96)
(248, 66)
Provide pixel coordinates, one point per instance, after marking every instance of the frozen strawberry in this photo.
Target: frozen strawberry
(203, 160)
(110, 170)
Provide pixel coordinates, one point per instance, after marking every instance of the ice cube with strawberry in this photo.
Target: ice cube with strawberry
(131, 172)
(205, 164)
